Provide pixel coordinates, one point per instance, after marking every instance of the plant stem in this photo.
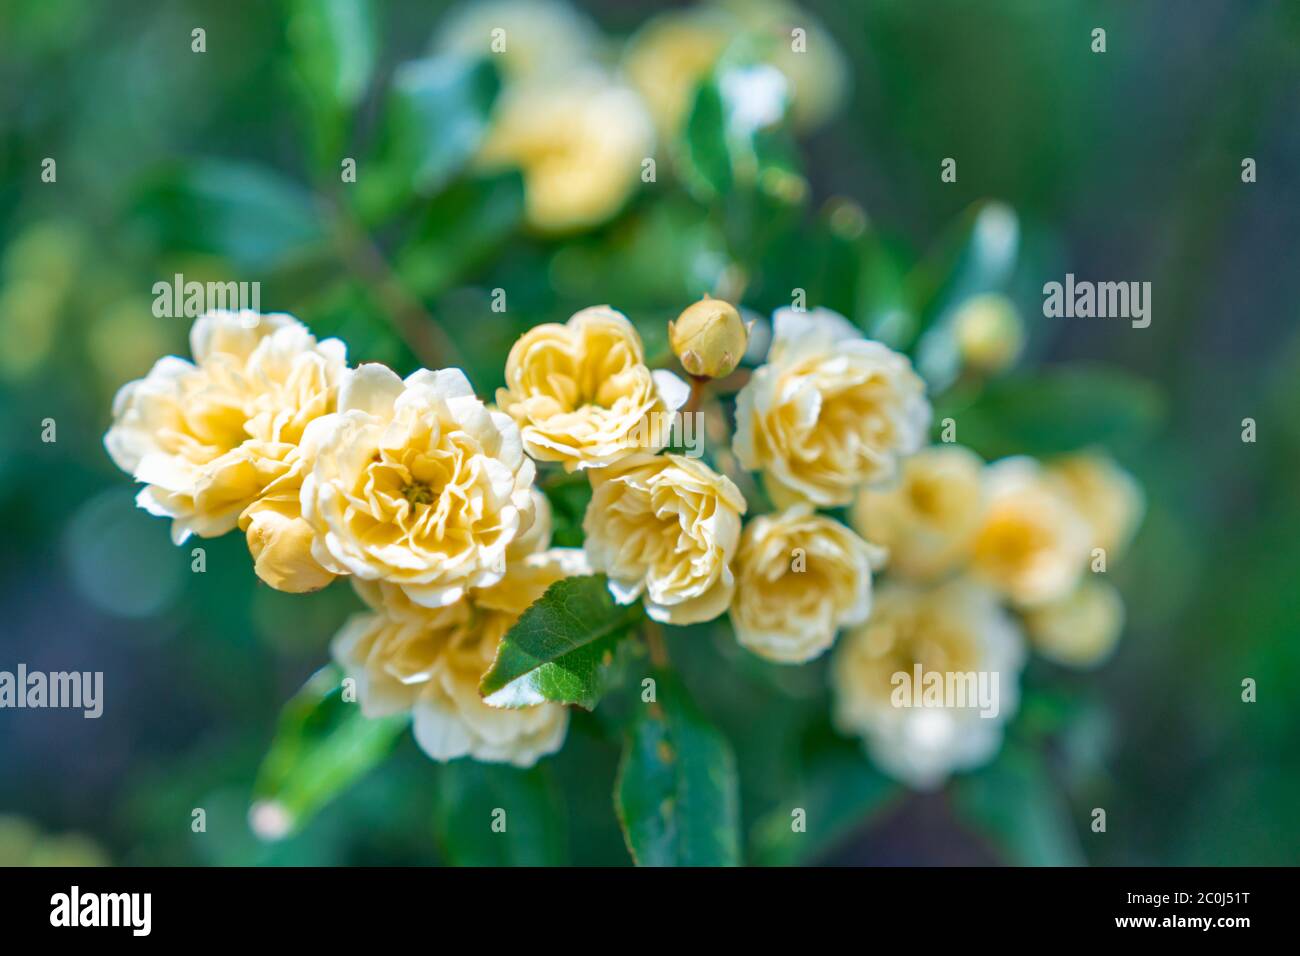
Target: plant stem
(654, 639)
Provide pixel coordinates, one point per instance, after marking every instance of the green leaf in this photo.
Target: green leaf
(1055, 411)
(1016, 805)
(839, 792)
(458, 229)
(322, 745)
(976, 255)
(248, 214)
(437, 115)
(677, 795)
(497, 815)
(727, 148)
(334, 45)
(561, 648)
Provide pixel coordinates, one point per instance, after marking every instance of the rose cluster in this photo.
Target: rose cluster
(425, 498)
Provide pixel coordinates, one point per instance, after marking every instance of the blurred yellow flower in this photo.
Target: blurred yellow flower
(429, 662)
(581, 392)
(1107, 497)
(800, 577)
(956, 629)
(208, 438)
(530, 39)
(580, 140)
(416, 482)
(669, 56)
(1080, 629)
(925, 519)
(829, 412)
(666, 527)
(1031, 545)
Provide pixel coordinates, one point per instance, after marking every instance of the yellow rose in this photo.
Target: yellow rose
(829, 411)
(405, 657)
(579, 140)
(582, 395)
(709, 337)
(1107, 497)
(800, 577)
(209, 438)
(416, 482)
(958, 628)
(1031, 545)
(1081, 629)
(666, 527)
(537, 38)
(927, 518)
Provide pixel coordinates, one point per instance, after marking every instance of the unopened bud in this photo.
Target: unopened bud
(709, 337)
(989, 333)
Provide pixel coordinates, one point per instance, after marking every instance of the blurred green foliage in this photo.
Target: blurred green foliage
(226, 165)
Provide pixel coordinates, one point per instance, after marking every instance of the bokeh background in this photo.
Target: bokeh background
(1123, 166)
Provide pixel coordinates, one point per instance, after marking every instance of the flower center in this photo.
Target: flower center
(418, 493)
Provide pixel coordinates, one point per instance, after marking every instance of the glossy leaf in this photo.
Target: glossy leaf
(334, 44)
(322, 745)
(1015, 804)
(498, 815)
(561, 648)
(677, 793)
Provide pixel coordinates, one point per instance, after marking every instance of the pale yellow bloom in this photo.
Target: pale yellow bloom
(829, 412)
(209, 438)
(429, 662)
(417, 483)
(1107, 497)
(580, 141)
(1081, 629)
(957, 628)
(666, 527)
(989, 333)
(530, 39)
(1032, 545)
(927, 518)
(800, 577)
(668, 58)
(581, 392)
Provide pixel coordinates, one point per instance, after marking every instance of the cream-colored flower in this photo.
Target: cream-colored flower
(927, 518)
(582, 395)
(579, 140)
(666, 527)
(830, 410)
(800, 577)
(1107, 497)
(416, 482)
(668, 58)
(958, 628)
(209, 438)
(1031, 545)
(429, 662)
(1080, 629)
(531, 39)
